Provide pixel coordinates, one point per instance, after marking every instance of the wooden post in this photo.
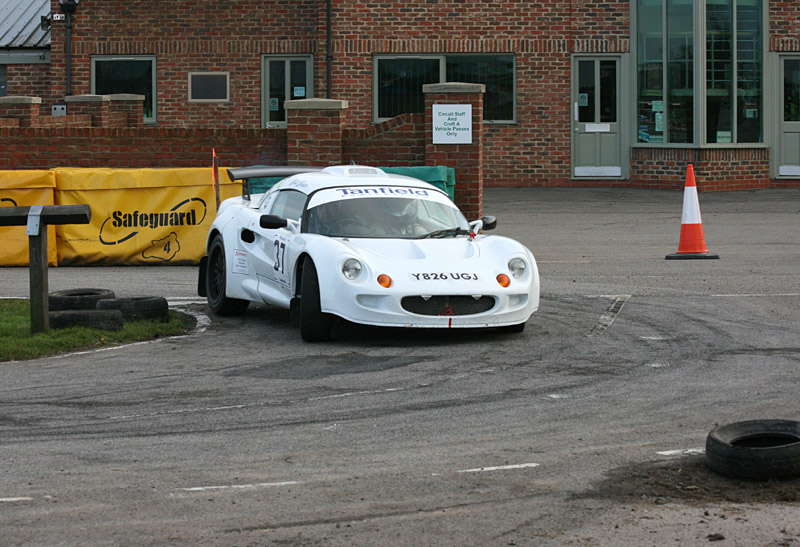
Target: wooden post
(36, 218)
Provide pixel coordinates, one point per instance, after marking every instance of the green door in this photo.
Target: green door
(789, 138)
(596, 135)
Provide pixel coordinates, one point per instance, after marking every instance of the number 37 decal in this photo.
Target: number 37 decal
(279, 248)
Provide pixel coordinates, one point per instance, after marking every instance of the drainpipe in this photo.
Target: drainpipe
(68, 8)
(328, 42)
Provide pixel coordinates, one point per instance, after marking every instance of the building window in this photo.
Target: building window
(135, 75)
(726, 58)
(398, 81)
(284, 79)
(209, 87)
(3, 81)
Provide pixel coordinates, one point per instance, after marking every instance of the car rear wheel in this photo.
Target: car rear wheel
(315, 326)
(216, 282)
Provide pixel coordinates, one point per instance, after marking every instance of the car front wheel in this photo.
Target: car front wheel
(315, 326)
(216, 279)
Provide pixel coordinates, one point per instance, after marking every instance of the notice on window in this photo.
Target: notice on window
(452, 124)
(659, 122)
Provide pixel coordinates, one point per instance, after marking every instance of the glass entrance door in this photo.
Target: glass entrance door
(596, 142)
(789, 141)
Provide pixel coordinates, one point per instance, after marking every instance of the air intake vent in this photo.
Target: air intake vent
(448, 305)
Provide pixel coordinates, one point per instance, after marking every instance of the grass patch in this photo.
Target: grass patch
(18, 343)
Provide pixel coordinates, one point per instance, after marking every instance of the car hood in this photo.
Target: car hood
(460, 248)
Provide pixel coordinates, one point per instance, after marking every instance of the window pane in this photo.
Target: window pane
(277, 91)
(298, 80)
(679, 107)
(608, 91)
(650, 50)
(400, 84)
(3, 81)
(791, 90)
(719, 71)
(749, 102)
(209, 87)
(496, 73)
(586, 92)
(126, 76)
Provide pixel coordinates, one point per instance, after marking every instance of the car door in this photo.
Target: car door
(274, 259)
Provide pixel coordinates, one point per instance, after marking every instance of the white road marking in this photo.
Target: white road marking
(682, 452)
(499, 468)
(558, 396)
(754, 295)
(655, 338)
(239, 486)
(352, 393)
(658, 365)
(13, 500)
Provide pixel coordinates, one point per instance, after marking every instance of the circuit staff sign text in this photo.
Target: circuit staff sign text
(452, 124)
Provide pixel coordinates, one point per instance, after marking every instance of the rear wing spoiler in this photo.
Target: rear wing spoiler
(246, 173)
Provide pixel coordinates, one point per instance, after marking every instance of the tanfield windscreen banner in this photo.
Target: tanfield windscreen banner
(139, 216)
(23, 189)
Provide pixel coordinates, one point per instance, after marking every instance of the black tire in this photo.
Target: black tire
(315, 326)
(216, 282)
(77, 299)
(138, 308)
(95, 319)
(756, 449)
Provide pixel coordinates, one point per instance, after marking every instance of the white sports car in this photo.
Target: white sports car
(366, 246)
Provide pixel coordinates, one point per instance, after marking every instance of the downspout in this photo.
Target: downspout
(69, 53)
(328, 46)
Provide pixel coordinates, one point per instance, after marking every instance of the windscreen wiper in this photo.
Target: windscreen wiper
(447, 232)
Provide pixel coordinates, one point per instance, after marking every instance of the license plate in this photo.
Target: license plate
(444, 276)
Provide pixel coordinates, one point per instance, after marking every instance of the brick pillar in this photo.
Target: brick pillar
(95, 105)
(314, 131)
(132, 105)
(25, 109)
(465, 157)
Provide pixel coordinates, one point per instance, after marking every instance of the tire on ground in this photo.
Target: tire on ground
(216, 282)
(138, 308)
(77, 299)
(95, 319)
(756, 449)
(315, 326)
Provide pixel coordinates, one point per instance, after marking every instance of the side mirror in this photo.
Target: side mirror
(271, 222)
(489, 222)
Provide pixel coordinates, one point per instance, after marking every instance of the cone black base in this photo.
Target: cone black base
(690, 256)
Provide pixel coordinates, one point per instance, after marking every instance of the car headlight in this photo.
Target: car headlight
(517, 267)
(351, 268)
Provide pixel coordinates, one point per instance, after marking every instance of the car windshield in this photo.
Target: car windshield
(383, 212)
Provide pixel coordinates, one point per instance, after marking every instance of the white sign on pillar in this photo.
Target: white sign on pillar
(452, 124)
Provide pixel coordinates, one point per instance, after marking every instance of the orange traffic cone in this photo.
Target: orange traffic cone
(692, 243)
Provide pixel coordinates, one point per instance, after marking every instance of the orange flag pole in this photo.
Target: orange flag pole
(215, 176)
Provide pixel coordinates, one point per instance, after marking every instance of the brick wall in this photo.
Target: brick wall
(398, 142)
(45, 148)
(188, 36)
(784, 26)
(28, 80)
(715, 169)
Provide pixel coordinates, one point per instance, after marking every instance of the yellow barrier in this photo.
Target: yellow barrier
(139, 216)
(19, 189)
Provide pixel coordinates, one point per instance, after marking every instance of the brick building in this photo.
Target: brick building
(578, 92)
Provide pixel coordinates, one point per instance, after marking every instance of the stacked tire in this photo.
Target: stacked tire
(100, 309)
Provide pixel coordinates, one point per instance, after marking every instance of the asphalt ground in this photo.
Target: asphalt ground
(586, 429)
